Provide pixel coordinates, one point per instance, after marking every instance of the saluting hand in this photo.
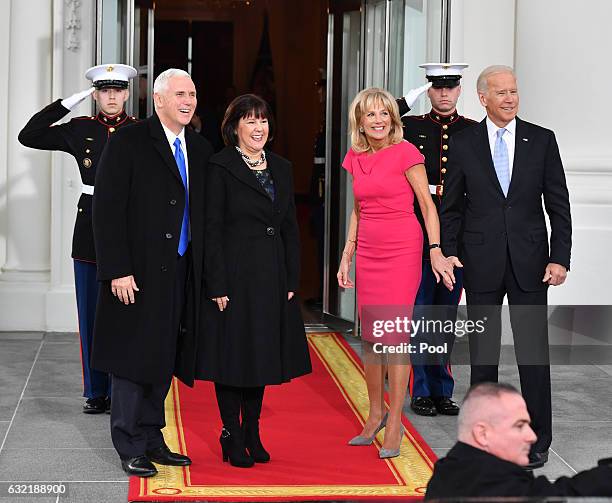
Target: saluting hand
(124, 288)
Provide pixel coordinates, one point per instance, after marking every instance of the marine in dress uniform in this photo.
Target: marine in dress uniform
(84, 138)
(431, 385)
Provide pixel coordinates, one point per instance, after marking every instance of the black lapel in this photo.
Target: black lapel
(522, 143)
(237, 167)
(483, 149)
(195, 174)
(280, 178)
(160, 141)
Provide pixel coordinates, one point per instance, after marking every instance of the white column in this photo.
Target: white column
(25, 273)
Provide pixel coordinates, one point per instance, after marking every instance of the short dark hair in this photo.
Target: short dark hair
(246, 105)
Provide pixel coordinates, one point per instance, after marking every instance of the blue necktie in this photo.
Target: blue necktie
(180, 162)
(501, 161)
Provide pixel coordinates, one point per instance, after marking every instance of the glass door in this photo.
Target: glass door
(125, 35)
(370, 43)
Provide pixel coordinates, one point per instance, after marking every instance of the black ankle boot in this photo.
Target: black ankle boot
(232, 445)
(253, 443)
(252, 399)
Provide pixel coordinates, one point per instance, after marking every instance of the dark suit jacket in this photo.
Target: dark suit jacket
(469, 472)
(137, 215)
(495, 225)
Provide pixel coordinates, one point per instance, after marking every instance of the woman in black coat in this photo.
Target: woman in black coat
(252, 329)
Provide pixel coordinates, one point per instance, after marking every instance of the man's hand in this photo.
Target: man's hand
(221, 302)
(124, 288)
(554, 274)
(443, 267)
(75, 99)
(413, 94)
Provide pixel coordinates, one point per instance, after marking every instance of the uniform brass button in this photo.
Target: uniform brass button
(87, 162)
(111, 129)
(443, 171)
(168, 235)
(270, 231)
(172, 202)
(444, 159)
(442, 182)
(437, 117)
(421, 147)
(80, 210)
(444, 147)
(87, 151)
(445, 137)
(105, 119)
(444, 127)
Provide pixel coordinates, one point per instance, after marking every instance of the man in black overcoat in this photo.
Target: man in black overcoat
(148, 218)
(492, 218)
(489, 459)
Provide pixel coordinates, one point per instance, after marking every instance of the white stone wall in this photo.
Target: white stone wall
(560, 52)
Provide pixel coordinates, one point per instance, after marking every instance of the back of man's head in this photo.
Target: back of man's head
(494, 418)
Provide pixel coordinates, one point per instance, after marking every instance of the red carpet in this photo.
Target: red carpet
(305, 426)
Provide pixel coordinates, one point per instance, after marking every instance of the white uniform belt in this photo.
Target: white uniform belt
(433, 189)
(88, 189)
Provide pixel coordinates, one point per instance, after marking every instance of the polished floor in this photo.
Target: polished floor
(45, 437)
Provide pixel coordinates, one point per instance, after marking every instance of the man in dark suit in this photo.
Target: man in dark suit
(494, 439)
(84, 138)
(492, 219)
(148, 218)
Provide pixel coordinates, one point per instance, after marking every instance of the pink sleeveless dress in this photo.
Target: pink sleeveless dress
(389, 240)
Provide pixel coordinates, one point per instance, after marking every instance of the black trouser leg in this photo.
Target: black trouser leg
(485, 347)
(137, 416)
(529, 320)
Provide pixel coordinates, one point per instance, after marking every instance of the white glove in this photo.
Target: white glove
(413, 94)
(75, 99)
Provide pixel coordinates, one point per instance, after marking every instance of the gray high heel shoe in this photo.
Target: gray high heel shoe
(361, 440)
(392, 453)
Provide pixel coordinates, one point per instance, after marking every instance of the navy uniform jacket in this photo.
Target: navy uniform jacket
(84, 138)
(430, 133)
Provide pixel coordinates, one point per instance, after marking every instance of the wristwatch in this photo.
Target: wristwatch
(434, 245)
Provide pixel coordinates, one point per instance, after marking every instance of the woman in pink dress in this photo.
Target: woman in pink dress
(387, 173)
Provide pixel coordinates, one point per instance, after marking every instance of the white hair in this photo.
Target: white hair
(161, 82)
(482, 85)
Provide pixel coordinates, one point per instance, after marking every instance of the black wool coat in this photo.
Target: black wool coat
(137, 214)
(252, 256)
(467, 472)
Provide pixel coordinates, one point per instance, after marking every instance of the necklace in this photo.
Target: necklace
(250, 163)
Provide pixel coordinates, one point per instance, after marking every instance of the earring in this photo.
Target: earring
(361, 130)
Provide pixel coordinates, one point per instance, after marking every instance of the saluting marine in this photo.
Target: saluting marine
(84, 138)
(431, 386)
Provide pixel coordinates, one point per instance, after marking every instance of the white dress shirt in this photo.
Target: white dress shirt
(171, 137)
(509, 137)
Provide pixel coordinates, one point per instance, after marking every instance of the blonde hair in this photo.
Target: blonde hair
(364, 101)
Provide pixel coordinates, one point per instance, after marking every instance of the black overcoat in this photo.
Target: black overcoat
(137, 214)
(468, 472)
(252, 256)
(494, 226)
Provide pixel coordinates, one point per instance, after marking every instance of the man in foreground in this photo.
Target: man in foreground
(148, 219)
(489, 458)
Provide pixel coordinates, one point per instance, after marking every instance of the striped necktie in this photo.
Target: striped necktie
(501, 161)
